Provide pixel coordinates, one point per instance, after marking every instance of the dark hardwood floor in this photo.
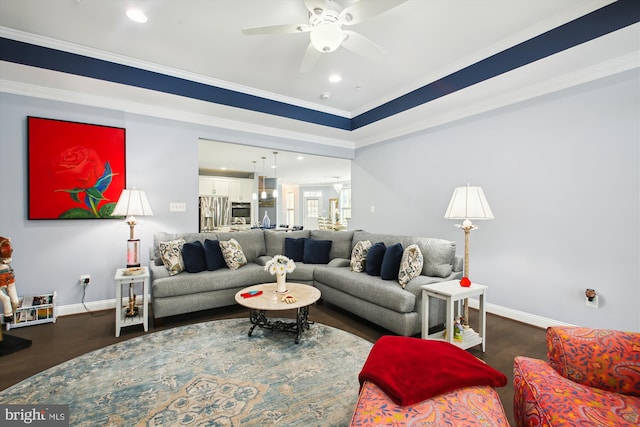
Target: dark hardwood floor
(75, 335)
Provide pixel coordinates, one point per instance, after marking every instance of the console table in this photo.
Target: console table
(452, 292)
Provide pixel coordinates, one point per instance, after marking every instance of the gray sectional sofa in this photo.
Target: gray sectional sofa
(383, 302)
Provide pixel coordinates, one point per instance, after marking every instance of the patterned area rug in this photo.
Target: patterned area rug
(208, 374)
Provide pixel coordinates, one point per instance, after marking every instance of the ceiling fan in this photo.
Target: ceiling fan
(326, 18)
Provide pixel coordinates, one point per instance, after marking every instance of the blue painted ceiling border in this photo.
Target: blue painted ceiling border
(610, 18)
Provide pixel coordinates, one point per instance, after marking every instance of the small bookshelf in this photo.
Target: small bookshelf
(34, 310)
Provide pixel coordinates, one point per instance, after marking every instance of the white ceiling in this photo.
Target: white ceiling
(201, 40)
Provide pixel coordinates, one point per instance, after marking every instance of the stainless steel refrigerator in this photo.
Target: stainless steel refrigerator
(215, 211)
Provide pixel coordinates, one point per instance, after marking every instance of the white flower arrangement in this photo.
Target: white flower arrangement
(280, 264)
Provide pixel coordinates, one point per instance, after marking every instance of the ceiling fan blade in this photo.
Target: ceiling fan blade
(277, 29)
(358, 12)
(314, 5)
(310, 58)
(361, 45)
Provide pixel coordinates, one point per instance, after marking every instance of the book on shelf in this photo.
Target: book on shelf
(34, 308)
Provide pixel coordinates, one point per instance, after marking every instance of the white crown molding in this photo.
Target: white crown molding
(579, 9)
(149, 66)
(436, 113)
(164, 110)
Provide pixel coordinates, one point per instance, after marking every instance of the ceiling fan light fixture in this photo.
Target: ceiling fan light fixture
(326, 37)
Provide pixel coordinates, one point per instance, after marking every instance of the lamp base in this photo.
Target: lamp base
(132, 308)
(133, 253)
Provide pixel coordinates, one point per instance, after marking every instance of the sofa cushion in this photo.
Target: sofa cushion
(410, 264)
(317, 251)
(157, 238)
(541, 393)
(233, 255)
(342, 241)
(193, 257)
(453, 406)
(275, 240)
(375, 255)
(207, 282)
(171, 255)
(438, 254)
(294, 248)
(213, 255)
(371, 289)
(251, 241)
(359, 255)
(578, 354)
(391, 262)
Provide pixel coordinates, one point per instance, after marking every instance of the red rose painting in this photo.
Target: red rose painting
(76, 170)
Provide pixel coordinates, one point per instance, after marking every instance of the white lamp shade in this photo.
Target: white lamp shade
(132, 203)
(468, 202)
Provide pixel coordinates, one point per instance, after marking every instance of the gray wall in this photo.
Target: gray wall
(162, 159)
(561, 174)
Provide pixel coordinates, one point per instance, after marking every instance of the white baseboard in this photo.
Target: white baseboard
(66, 310)
(520, 316)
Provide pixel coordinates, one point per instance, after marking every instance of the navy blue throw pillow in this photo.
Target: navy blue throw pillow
(375, 255)
(391, 262)
(294, 248)
(213, 255)
(316, 251)
(193, 257)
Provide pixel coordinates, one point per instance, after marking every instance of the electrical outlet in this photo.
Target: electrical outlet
(85, 279)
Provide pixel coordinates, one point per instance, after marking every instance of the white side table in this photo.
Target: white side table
(452, 292)
(121, 279)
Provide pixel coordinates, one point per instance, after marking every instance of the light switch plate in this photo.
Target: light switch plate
(177, 207)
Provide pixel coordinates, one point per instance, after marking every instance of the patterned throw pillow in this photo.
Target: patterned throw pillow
(233, 255)
(410, 264)
(359, 255)
(171, 255)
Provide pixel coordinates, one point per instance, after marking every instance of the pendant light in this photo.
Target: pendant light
(254, 195)
(275, 173)
(263, 194)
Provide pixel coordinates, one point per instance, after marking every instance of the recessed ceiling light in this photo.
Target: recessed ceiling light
(299, 158)
(136, 15)
(335, 78)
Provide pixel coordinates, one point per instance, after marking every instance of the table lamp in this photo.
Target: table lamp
(468, 203)
(132, 202)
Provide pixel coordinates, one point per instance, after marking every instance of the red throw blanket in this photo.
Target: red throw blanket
(410, 370)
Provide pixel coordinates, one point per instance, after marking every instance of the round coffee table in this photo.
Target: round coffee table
(271, 300)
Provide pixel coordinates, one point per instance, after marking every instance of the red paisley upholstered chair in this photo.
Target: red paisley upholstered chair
(592, 378)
